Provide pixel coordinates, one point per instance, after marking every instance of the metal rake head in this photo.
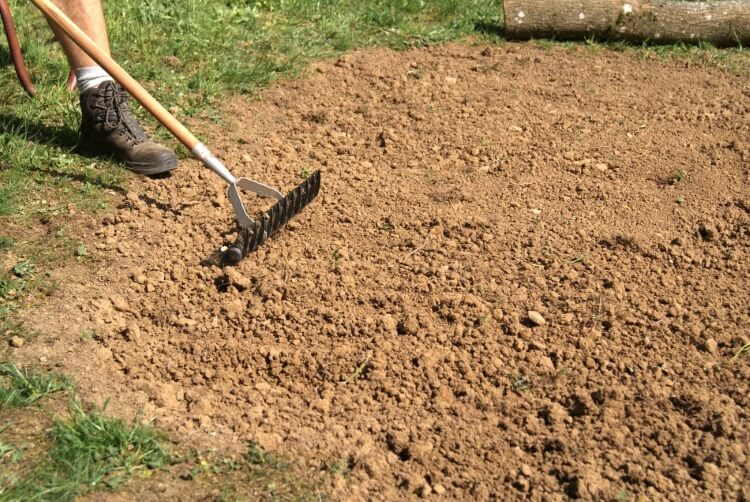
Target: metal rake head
(255, 232)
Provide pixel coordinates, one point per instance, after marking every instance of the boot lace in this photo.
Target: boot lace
(114, 106)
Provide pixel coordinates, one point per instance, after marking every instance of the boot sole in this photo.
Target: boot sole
(136, 167)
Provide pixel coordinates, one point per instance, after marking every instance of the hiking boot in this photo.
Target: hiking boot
(108, 127)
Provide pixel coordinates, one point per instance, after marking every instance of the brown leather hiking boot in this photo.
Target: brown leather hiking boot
(108, 127)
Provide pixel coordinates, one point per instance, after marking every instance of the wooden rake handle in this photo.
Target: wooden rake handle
(54, 14)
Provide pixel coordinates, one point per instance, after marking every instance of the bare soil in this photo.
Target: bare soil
(526, 275)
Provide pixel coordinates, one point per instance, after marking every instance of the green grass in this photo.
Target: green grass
(46, 455)
(20, 388)
(89, 452)
(14, 283)
(257, 456)
(189, 54)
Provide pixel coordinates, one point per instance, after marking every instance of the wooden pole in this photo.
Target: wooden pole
(722, 22)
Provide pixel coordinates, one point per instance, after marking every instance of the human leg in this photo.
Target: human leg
(108, 126)
(89, 16)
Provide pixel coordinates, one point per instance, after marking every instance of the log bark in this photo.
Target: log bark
(722, 23)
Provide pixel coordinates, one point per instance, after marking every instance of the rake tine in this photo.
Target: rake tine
(273, 219)
(268, 223)
(262, 234)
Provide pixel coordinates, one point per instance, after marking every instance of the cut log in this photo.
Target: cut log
(722, 23)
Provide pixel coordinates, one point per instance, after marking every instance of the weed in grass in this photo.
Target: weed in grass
(338, 467)
(20, 388)
(86, 334)
(520, 383)
(388, 225)
(257, 456)
(676, 177)
(6, 243)
(19, 279)
(359, 371)
(578, 259)
(10, 454)
(23, 268)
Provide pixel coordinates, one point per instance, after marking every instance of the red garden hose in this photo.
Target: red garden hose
(15, 49)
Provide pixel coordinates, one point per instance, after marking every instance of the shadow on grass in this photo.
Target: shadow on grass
(495, 30)
(63, 137)
(31, 130)
(5, 59)
(83, 178)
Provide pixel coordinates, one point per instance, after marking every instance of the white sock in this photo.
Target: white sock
(90, 77)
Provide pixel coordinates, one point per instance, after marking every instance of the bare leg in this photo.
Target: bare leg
(89, 16)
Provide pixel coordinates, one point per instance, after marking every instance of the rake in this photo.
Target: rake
(253, 231)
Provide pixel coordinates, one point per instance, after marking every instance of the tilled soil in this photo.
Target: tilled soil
(526, 275)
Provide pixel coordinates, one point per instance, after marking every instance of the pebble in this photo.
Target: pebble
(536, 318)
(133, 333)
(120, 303)
(439, 489)
(17, 341)
(155, 275)
(537, 345)
(711, 346)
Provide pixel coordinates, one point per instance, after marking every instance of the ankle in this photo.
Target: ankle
(90, 77)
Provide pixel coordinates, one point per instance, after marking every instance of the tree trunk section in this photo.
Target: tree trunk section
(722, 23)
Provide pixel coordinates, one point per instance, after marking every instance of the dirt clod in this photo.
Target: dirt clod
(237, 279)
(17, 341)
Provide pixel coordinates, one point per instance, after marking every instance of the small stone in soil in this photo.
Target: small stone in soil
(17, 341)
(536, 318)
(711, 346)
